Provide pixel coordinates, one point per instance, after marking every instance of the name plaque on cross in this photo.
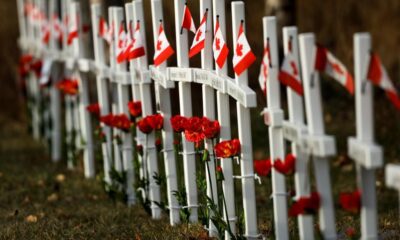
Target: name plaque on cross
(201, 76)
(179, 74)
(160, 77)
(368, 155)
(243, 94)
(295, 133)
(218, 82)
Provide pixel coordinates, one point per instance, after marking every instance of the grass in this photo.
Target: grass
(43, 200)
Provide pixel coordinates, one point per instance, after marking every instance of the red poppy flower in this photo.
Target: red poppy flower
(94, 109)
(193, 130)
(135, 108)
(229, 148)
(350, 201)
(107, 119)
(144, 125)
(350, 233)
(287, 167)
(210, 128)
(305, 205)
(122, 122)
(36, 67)
(156, 121)
(68, 86)
(24, 65)
(263, 167)
(178, 123)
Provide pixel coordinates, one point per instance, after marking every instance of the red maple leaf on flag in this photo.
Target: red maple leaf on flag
(239, 50)
(336, 67)
(198, 35)
(294, 68)
(159, 44)
(217, 43)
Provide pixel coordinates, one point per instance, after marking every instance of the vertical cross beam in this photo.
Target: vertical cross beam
(316, 130)
(296, 116)
(163, 101)
(223, 110)
(102, 90)
(274, 119)
(123, 98)
(117, 164)
(209, 106)
(147, 104)
(185, 102)
(55, 96)
(244, 127)
(85, 118)
(136, 95)
(365, 134)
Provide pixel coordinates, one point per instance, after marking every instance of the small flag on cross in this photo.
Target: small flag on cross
(163, 49)
(200, 37)
(243, 56)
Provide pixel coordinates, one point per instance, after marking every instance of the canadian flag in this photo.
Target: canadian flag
(328, 63)
(46, 33)
(137, 49)
(163, 49)
(243, 56)
(122, 45)
(200, 37)
(104, 31)
(378, 76)
(264, 69)
(289, 74)
(73, 31)
(219, 46)
(187, 21)
(58, 27)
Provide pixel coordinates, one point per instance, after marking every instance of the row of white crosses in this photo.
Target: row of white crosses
(307, 140)
(225, 86)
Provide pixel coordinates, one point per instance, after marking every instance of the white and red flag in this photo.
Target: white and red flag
(46, 30)
(72, 31)
(122, 45)
(219, 46)
(187, 20)
(137, 47)
(58, 27)
(378, 76)
(264, 69)
(326, 62)
(289, 74)
(243, 56)
(106, 32)
(163, 49)
(200, 37)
